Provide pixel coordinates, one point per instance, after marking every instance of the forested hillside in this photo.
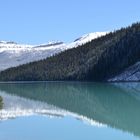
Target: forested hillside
(98, 60)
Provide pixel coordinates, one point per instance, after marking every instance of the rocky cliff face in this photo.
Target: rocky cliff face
(129, 74)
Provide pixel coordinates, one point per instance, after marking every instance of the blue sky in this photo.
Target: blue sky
(40, 21)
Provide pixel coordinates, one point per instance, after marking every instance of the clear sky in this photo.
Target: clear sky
(40, 21)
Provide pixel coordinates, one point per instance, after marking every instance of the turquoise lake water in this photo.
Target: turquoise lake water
(70, 110)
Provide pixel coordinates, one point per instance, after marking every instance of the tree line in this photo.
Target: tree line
(97, 60)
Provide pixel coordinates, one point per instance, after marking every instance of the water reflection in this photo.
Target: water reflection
(1, 103)
(115, 105)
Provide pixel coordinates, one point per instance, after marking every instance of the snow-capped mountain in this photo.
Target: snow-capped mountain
(13, 54)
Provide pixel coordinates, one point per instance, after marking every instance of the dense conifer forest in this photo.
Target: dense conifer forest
(98, 60)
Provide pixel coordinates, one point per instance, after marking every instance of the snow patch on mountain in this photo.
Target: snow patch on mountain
(87, 38)
(13, 54)
(90, 36)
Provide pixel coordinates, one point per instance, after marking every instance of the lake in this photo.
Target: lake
(69, 111)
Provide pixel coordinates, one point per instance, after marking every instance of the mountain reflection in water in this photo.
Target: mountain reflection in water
(115, 105)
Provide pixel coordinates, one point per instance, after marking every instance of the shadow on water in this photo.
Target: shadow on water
(117, 105)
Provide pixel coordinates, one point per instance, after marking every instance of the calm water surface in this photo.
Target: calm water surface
(70, 110)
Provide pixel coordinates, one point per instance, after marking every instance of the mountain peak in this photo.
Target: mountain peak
(13, 54)
(91, 36)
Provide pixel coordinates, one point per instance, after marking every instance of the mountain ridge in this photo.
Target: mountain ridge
(13, 54)
(98, 60)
